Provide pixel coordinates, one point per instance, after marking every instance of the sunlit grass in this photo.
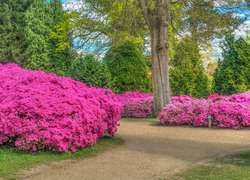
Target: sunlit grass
(234, 167)
(12, 160)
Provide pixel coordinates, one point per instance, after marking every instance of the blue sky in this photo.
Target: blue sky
(244, 29)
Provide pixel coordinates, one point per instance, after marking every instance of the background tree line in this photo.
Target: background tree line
(39, 34)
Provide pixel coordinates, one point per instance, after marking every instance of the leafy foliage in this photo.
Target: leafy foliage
(92, 72)
(232, 74)
(128, 67)
(187, 74)
(207, 19)
(61, 52)
(36, 32)
(12, 24)
(25, 32)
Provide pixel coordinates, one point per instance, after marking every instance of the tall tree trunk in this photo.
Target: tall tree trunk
(160, 58)
(158, 22)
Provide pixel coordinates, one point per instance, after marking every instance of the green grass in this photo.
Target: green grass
(140, 119)
(13, 161)
(233, 167)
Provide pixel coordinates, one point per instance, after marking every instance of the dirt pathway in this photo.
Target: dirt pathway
(152, 152)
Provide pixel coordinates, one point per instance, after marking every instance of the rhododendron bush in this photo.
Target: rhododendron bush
(225, 111)
(136, 104)
(139, 105)
(40, 111)
(228, 114)
(193, 112)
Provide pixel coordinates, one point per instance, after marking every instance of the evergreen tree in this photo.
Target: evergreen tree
(13, 41)
(187, 75)
(61, 53)
(92, 72)
(37, 30)
(25, 31)
(233, 72)
(128, 67)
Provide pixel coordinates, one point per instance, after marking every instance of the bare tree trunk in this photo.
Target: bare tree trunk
(158, 22)
(160, 57)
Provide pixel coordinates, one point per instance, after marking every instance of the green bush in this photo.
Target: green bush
(127, 66)
(187, 75)
(25, 33)
(233, 72)
(92, 72)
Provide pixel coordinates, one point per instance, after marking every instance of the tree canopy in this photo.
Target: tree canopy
(233, 72)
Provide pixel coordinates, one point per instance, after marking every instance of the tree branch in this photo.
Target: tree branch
(145, 11)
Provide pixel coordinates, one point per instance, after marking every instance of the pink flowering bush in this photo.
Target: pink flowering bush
(182, 99)
(217, 97)
(192, 112)
(136, 104)
(228, 114)
(40, 111)
(139, 105)
(241, 98)
(226, 111)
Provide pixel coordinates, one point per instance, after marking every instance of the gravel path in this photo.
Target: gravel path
(151, 151)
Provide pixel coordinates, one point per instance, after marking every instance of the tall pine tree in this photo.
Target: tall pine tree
(92, 72)
(187, 74)
(61, 53)
(127, 66)
(37, 30)
(13, 41)
(26, 28)
(233, 72)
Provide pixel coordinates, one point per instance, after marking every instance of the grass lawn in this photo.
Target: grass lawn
(140, 119)
(233, 167)
(12, 160)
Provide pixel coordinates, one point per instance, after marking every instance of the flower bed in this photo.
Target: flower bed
(193, 112)
(139, 105)
(228, 114)
(136, 104)
(40, 111)
(226, 111)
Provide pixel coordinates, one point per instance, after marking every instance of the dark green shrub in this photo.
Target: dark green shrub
(127, 66)
(187, 75)
(92, 72)
(233, 72)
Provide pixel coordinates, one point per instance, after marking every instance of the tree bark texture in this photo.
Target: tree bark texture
(158, 22)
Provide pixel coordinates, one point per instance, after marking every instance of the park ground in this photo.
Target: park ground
(152, 151)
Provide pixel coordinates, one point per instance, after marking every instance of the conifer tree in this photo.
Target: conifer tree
(128, 67)
(187, 75)
(37, 32)
(61, 53)
(233, 72)
(13, 41)
(92, 72)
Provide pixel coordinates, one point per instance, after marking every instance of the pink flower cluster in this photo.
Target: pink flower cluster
(227, 114)
(217, 97)
(192, 112)
(182, 99)
(40, 111)
(139, 105)
(232, 111)
(136, 104)
(225, 111)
